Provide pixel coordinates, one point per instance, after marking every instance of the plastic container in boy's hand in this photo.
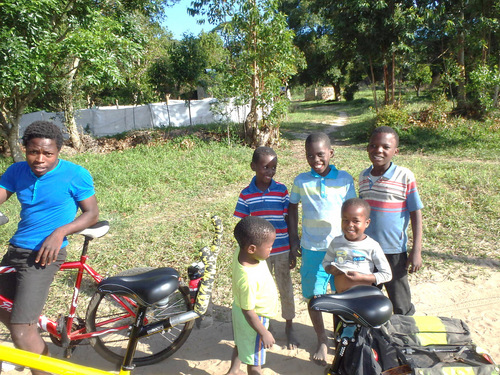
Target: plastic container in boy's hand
(3, 219)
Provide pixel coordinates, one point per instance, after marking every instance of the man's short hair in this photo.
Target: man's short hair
(386, 130)
(318, 137)
(252, 230)
(357, 202)
(43, 129)
(260, 151)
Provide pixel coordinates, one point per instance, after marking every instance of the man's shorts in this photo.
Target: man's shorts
(251, 350)
(314, 278)
(29, 286)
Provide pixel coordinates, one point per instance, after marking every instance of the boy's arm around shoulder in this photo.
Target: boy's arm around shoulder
(253, 319)
(414, 261)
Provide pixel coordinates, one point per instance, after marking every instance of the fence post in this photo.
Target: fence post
(167, 101)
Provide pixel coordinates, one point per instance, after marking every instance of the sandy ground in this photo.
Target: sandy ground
(208, 350)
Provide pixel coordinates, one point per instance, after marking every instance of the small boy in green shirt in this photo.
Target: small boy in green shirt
(255, 297)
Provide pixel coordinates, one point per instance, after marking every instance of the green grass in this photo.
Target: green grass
(159, 198)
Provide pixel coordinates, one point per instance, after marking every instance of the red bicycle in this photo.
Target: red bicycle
(109, 317)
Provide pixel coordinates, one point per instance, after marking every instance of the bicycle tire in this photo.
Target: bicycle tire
(150, 349)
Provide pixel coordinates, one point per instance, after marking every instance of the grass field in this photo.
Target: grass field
(159, 197)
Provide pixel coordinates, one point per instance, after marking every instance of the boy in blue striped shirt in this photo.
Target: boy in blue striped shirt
(268, 199)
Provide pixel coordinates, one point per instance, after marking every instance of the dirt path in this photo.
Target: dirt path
(335, 124)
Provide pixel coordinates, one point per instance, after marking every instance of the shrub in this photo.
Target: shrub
(350, 90)
(395, 116)
(481, 88)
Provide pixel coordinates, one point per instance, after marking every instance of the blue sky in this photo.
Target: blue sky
(179, 22)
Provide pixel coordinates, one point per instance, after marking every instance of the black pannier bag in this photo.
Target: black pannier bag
(418, 345)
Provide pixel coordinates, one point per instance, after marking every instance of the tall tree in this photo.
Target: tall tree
(262, 58)
(42, 40)
(326, 60)
(465, 33)
(375, 31)
(183, 67)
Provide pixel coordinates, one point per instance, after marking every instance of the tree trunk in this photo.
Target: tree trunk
(461, 95)
(497, 88)
(251, 124)
(393, 77)
(69, 110)
(255, 135)
(70, 123)
(13, 141)
(374, 87)
(336, 91)
(386, 84)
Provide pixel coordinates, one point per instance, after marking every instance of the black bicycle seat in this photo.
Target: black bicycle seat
(145, 288)
(364, 305)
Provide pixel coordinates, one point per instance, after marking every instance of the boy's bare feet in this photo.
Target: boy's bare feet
(235, 364)
(235, 372)
(319, 357)
(292, 342)
(321, 352)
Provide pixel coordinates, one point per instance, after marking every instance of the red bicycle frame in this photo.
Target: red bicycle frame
(69, 334)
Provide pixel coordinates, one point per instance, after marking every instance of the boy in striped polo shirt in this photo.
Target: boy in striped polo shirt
(321, 191)
(268, 199)
(392, 193)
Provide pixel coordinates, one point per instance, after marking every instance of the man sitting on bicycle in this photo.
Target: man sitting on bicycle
(50, 191)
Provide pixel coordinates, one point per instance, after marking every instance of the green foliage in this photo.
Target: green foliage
(260, 61)
(483, 85)
(189, 63)
(433, 129)
(420, 75)
(392, 115)
(44, 41)
(450, 76)
(350, 90)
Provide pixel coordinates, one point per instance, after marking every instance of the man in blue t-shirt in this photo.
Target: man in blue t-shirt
(50, 191)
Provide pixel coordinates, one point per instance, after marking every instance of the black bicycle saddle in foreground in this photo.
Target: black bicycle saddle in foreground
(364, 305)
(146, 288)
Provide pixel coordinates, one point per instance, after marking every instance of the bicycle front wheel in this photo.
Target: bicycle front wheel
(115, 314)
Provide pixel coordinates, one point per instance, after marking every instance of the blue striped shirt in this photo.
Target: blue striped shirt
(322, 199)
(271, 205)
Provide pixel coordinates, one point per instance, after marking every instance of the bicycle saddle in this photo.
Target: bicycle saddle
(145, 288)
(362, 304)
(97, 230)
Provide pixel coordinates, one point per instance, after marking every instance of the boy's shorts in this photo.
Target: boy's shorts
(251, 350)
(314, 278)
(29, 286)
